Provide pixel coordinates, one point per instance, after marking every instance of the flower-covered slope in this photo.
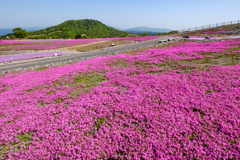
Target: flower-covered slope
(138, 105)
(58, 43)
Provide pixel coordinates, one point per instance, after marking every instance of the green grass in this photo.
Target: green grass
(118, 62)
(96, 126)
(82, 83)
(24, 142)
(41, 69)
(86, 82)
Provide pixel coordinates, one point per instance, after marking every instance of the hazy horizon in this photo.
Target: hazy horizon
(122, 14)
(95, 19)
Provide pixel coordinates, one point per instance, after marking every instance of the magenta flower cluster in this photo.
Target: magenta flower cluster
(4, 42)
(210, 32)
(53, 44)
(29, 56)
(202, 38)
(135, 113)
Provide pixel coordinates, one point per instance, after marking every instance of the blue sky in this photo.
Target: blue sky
(172, 14)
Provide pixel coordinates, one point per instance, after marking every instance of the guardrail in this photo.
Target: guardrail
(209, 26)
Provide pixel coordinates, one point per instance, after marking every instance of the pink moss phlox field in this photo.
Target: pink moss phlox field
(132, 114)
(170, 36)
(29, 56)
(202, 38)
(210, 32)
(144, 38)
(53, 44)
(188, 50)
(45, 45)
(4, 42)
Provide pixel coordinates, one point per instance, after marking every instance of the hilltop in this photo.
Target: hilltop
(70, 29)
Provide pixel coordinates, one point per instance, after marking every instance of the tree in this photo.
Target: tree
(78, 36)
(20, 33)
(144, 34)
(12, 36)
(173, 32)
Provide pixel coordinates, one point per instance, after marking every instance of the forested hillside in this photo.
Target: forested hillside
(86, 28)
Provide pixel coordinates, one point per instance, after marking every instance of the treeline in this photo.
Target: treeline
(140, 33)
(168, 33)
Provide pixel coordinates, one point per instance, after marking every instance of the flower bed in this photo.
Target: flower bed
(203, 38)
(210, 32)
(29, 56)
(130, 106)
(53, 44)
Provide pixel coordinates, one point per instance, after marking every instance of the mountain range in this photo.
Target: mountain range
(142, 29)
(147, 29)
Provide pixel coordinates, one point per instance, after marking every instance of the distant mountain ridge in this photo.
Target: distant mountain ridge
(147, 29)
(142, 29)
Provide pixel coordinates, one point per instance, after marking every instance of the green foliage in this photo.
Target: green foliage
(78, 36)
(144, 34)
(172, 32)
(24, 142)
(20, 33)
(78, 28)
(12, 36)
(36, 37)
(97, 124)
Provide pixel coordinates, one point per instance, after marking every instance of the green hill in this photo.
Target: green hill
(70, 29)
